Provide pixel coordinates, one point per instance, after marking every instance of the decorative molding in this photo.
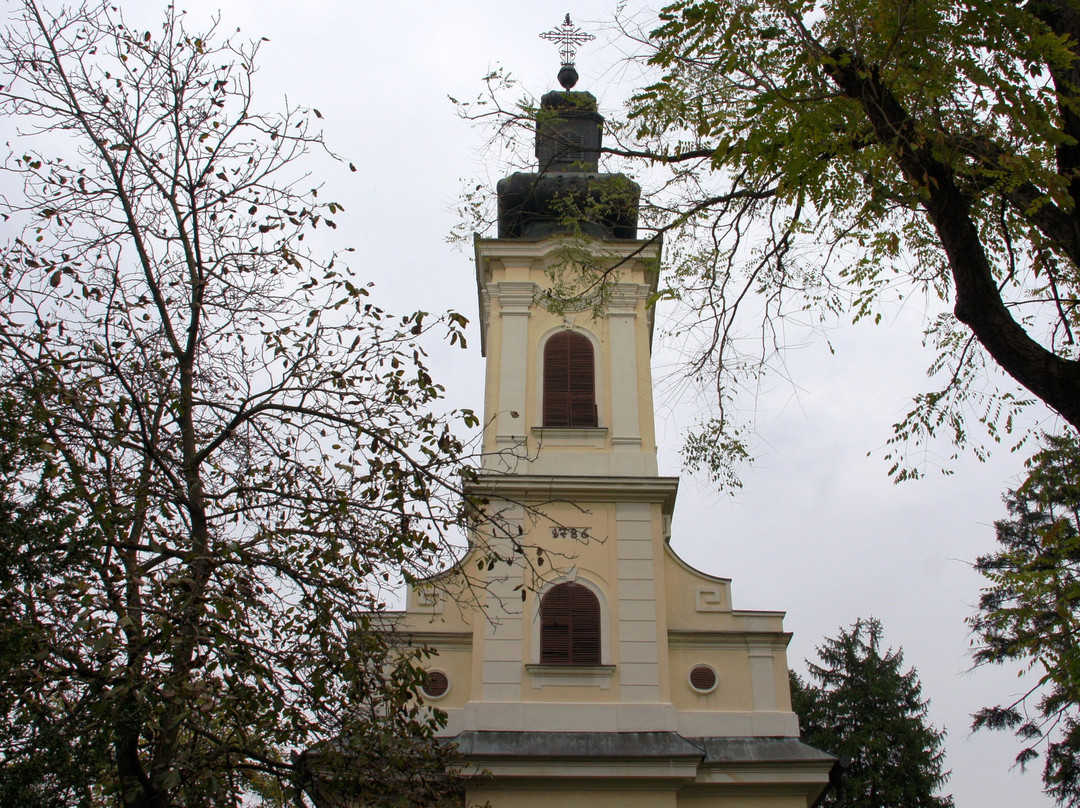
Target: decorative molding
(571, 436)
(515, 297)
(496, 248)
(639, 254)
(538, 487)
(625, 297)
(728, 639)
(437, 639)
(572, 675)
(711, 599)
(761, 648)
(485, 308)
(429, 600)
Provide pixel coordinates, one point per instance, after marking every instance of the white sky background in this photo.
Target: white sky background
(819, 530)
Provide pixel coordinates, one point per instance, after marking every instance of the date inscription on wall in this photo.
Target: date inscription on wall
(579, 533)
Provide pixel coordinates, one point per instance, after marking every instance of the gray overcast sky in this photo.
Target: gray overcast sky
(818, 530)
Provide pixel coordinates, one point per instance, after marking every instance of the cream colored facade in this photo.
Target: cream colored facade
(587, 505)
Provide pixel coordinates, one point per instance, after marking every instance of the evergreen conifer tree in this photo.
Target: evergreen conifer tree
(859, 704)
(1028, 614)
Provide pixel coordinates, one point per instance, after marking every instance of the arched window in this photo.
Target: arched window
(569, 626)
(569, 381)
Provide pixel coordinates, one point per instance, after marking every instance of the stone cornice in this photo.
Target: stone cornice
(524, 248)
(625, 297)
(521, 250)
(710, 639)
(516, 296)
(436, 638)
(534, 488)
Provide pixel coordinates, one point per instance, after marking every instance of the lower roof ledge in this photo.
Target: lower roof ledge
(716, 757)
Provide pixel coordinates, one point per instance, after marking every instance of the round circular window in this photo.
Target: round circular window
(702, 678)
(436, 684)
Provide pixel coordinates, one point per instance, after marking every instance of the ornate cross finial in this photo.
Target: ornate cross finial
(569, 38)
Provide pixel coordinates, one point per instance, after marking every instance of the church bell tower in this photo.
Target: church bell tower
(579, 659)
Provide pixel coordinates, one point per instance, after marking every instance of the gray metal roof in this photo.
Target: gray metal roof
(758, 750)
(598, 745)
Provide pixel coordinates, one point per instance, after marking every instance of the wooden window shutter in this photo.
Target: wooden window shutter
(569, 626)
(569, 381)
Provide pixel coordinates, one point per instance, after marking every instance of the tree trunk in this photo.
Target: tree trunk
(979, 304)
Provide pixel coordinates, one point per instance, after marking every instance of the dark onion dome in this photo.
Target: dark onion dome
(568, 193)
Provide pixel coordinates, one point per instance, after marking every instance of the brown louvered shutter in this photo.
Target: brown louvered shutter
(436, 683)
(569, 626)
(702, 678)
(569, 381)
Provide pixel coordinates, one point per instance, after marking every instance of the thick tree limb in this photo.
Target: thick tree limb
(979, 303)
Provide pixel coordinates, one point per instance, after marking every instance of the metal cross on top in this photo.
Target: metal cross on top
(569, 38)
